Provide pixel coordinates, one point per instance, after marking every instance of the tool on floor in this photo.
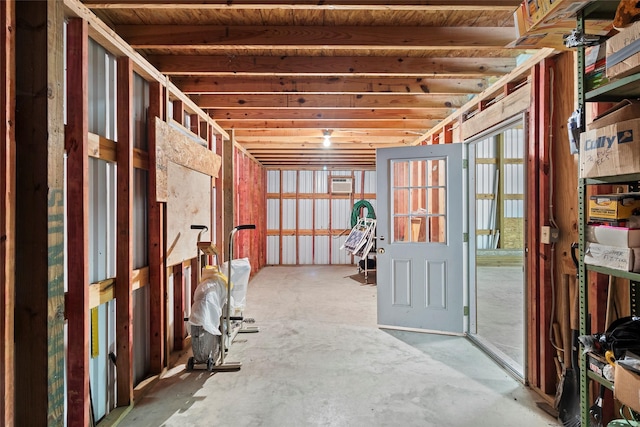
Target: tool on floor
(568, 393)
(226, 337)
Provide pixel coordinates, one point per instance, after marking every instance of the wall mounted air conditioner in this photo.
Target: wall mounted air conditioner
(340, 185)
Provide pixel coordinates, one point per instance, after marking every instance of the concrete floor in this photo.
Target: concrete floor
(500, 306)
(320, 360)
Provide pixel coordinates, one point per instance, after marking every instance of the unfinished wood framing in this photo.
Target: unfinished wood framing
(155, 223)
(124, 242)
(545, 354)
(39, 260)
(179, 331)
(76, 146)
(7, 211)
(533, 220)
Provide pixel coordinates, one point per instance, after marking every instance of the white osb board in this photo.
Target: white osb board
(188, 203)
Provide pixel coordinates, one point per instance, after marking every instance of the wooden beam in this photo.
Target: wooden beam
(210, 85)
(514, 74)
(107, 38)
(331, 113)
(124, 241)
(415, 5)
(228, 186)
(179, 333)
(392, 66)
(76, 145)
(305, 101)
(7, 210)
(317, 141)
(399, 123)
(547, 352)
(156, 240)
(39, 225)
(533, 222)
(250, 38)
(517, 102)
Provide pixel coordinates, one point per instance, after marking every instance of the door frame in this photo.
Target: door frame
(472, 248)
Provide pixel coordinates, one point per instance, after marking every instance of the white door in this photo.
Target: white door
(420, 251)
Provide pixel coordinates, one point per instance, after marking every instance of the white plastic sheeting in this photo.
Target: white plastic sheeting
(208, 301)
(240, 273)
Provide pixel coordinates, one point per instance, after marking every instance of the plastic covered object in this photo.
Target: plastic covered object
(208, 300)
(240, 273)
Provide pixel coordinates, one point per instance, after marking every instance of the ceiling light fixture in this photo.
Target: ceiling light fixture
(327, 138)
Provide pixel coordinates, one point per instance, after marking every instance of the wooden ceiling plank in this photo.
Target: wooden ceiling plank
(306, 101)
(314, 37)
(327, 85)
(334, 66)
(506, 5)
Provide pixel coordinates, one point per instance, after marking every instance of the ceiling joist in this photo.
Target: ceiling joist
(507, 5)
(334, 66)
(281, 73)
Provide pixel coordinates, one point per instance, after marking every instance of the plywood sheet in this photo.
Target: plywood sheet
(188, 203)
(175, 146)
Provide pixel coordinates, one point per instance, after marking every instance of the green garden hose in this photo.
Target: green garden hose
(355, 213)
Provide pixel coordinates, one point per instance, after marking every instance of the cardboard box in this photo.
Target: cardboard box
(545, 12)
(625, 259)
(623, 52)
(628, 109)
(627, 388)
(613, 236)
(534, 30)
(614, 206)
(610, 150)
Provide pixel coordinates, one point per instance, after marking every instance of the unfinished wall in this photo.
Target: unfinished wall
(250, 208)
(307, 223)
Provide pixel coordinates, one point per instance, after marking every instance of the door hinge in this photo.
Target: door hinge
(465, 237)
(466, 310)
(465, 163)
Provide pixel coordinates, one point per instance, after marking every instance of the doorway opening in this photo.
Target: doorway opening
(497, 180)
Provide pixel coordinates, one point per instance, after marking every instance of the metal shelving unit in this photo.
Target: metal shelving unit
(627, 87)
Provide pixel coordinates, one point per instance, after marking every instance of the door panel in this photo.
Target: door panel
(420, 230)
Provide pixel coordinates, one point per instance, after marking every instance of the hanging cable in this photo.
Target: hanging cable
(355, 212)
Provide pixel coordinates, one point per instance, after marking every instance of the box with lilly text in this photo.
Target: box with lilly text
(610, 150)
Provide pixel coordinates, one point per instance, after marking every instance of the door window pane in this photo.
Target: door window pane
(419, 200)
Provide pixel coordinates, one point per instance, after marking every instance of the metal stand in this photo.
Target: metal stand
(226, 329)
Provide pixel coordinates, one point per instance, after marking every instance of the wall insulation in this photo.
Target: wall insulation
(250, 208)
(306, 223)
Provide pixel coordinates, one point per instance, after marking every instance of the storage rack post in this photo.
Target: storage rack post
(627, 87)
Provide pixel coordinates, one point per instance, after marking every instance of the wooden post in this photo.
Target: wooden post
(157, 320)
(178, 111)
(228, 182)
(39, 238)
(7, 210)
(76, 140)
(546, 353)
(532, 233)
(124, 244)
(218, 183)
(178, 307)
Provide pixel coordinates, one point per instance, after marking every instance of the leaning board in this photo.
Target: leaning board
(188, 203)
